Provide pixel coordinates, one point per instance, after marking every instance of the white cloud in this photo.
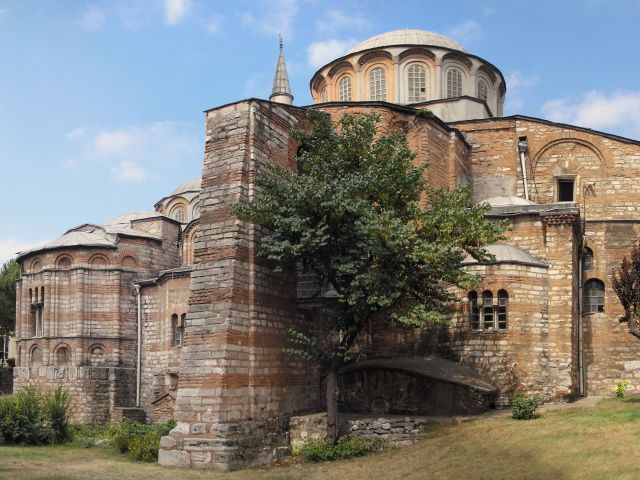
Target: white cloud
(92, 18)
(466, 32)
(517, 85)
(133, 154)
(10, 246)
(618, 111)
(320, 53)
(129, 172)
(213, 24)
(334, 21)
(272, 16)
(175, 11)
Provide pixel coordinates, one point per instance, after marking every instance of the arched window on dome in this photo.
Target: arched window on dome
(483, 90)
(377, 85)
(324, 95)
(179, 214)
(344, 89)
(593, 296)
(454, 82)
(416, 83)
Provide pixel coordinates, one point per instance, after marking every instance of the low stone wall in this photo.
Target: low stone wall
(387, 431)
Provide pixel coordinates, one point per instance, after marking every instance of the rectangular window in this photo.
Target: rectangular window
(565, 190)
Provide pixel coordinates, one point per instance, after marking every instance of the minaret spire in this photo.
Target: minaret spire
(281, 91)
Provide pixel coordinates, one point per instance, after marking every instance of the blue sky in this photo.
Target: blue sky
(101, 101)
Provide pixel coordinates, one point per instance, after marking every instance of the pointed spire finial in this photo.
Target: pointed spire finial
(281, 91)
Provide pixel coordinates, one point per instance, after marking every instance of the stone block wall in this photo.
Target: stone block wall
(236, 387)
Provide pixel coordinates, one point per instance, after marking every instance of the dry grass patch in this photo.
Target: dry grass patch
(576, 443)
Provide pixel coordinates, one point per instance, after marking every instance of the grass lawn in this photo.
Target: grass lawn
(575, 443)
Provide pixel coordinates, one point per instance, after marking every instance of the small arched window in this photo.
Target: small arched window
(487, 310)
(377, 84)
(483, 90)
(36, 357)
(96, 355)
(344, 89)
(474, 311)
(178, 214)
(501, 314)
(593, 296)
(416, 83)
(587, 259)
(324, 95)
(63, 357)
(64, 262)
(177, 329)
(454, 82)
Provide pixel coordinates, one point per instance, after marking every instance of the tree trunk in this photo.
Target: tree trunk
(332, 402)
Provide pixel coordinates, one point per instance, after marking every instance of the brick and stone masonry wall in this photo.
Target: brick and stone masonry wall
(236, 388)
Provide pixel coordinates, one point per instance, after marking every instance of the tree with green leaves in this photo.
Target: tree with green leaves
(9, 273)
(352, 215)
(625, 281)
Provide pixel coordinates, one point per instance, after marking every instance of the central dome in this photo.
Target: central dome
(407, 37)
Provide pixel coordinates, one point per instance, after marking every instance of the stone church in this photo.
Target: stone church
(171, 313)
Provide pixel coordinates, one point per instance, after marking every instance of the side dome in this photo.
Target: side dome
(193, 185)
(507, 201)
(407, 36)
(504, 253)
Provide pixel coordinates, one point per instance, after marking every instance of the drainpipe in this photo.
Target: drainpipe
(139, 343)
(523, 148)
(580, 329)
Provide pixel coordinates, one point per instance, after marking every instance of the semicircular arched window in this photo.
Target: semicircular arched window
(324, 95)
(454, 82)
(179, 214)
(483, 90)
(416, 83)
(377, 85)
(344, 89)
(63, 357)
(593, 296)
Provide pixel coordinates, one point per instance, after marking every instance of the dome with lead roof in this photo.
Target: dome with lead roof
(407, 36)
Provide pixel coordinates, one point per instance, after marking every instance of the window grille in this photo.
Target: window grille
(593, 296)
(587, 260)
(416, 83)
(491, 314)
(344, 89)
(377, 85)
(483, 90)
(454, 82)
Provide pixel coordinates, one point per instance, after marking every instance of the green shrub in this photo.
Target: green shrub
(23, 418)
(322, 451)
(523, 407)
(57, 408)
(139, 440)
(621, 388)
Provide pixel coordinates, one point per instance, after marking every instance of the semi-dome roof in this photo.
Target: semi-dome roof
(193, 185)
(127, 218)
(407, 37)
(508, 254)
(507, 201)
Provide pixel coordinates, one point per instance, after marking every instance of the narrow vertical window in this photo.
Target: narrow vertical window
(416, 83)
(454, 82)
(503, 300)
(39, 321)
(474, 311)
(177, 325)
(487, 310)
(587, 260)
(344, 89)
(593, 296)
(483, 90)
(324, 95)
(377, 85)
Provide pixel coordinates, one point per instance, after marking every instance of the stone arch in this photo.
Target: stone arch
(35, 356)
(338, 67)
(128, 261)
(98, 260)
(375, 55)
(62, 355)
(425, 53)
(36, 265)
(456, 57)
(64, 262)
(96, 354)
(318, 83)
(488, 73)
